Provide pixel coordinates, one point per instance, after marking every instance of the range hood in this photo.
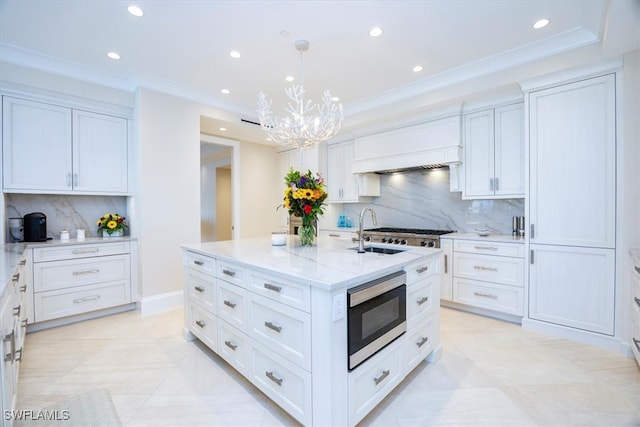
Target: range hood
(423, 146)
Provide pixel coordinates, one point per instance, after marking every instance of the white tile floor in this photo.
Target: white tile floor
(491, 373)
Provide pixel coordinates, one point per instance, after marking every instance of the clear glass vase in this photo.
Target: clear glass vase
(307, 232)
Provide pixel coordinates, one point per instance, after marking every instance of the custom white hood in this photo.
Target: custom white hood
(430, 144)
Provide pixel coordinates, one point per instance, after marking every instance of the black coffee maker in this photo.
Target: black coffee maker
(35, 227)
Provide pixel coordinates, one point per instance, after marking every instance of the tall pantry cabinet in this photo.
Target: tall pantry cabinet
(572, 204)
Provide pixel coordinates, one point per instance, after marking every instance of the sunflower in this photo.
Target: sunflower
(112, 224)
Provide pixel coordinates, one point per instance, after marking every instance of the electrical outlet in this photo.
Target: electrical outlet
(339, 302)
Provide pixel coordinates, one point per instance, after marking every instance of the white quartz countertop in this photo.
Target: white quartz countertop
(492, 237)
(328, 264)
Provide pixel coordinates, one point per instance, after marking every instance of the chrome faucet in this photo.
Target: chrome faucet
(360, 236)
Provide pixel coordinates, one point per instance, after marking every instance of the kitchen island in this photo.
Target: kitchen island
(279, 316)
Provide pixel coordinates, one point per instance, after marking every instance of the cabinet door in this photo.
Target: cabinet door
(446, 289)
(509, 151)
(335, 172)
(479, 154)
(572, 164)
(36, 146)
(100, 153)
(573, 286)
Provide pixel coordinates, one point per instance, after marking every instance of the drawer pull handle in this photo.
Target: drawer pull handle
(198, 262)
(637, 343)
(199, 289)
(422, 341)
(378, 380)
(334, 235)
(85, 251)
(229, 273)
(273, 327)
(483, 268)
(17, 357)
(480, 294)
(230, 304)
(23, 288)
(23, 262)
(421, 270)
(82, 272)
(12, 339)
(637, 268)
(24, 323)
(422, 300)
(16, 310)
(446, 264)
(273, 288)
(15, 277)
(273, 378)
(231, 345)
(486, 248)
(86, 299)
(637, 300)
(201, 323)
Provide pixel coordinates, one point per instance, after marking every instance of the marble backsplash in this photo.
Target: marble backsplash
(422, 199)
(65, 212)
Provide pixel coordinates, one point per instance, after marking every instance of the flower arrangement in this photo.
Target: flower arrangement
(111, 223)
(304, 197)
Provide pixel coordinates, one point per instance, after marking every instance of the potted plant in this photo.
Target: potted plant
(111, 225)
(304, 197)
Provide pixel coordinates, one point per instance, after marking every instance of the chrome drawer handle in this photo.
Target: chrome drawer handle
(637, 268)
(17, 357)
(16, 310)
(422, 300)
(637, 300)
(273, 327)
(86, 299)
(199, 288)
(637, 343)
(198, 262)
(200, 323)
(483, 268)
(85, 251)
(422, 341)
(83, 272)
(23, 262)
(272, 287)
(480, 294)
(231, 345)
(381, 378)
(229, 273)
(273, 378)
(15, 277)
(12, 339)
(486, 248)
(23, 288)
(421, 270)
(230, 304)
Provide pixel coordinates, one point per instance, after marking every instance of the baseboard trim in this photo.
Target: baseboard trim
(53, 323)
(162, 302)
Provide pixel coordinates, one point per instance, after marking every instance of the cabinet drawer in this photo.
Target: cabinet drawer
(505, 299)
(286, 384)
(70, 301)
(231, 304)
(57, 253)
(287, 292)
(203, 324)
(370, 382)
(635, 291)
(71, 273)
(420, 342)
(232, 346)
(283, 329)
(231, 273)
(419, 270)
(489, 248)
(200, 263)
(201, 288)
(419, 299)
(498, 269)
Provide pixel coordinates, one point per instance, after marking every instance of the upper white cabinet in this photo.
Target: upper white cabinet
(301, 160)
(54, 149)
(494, 153)
(342, 185)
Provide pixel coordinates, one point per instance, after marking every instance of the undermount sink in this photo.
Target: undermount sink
(379, 250)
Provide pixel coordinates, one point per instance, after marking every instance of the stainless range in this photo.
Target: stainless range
(405, 236)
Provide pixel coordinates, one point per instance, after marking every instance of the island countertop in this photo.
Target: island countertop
(329, 263)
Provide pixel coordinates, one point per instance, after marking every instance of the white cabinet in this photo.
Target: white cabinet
(344, 186)
(494, 153)
(572, 204)
(446, 290)
(75, 279)
(350, 236)
(55, 149)
(635, 305)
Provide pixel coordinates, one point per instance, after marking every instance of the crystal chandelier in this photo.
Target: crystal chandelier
(301, 128)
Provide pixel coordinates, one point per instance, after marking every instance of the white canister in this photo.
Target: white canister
(279, 238)
(80, 235)
(64, 235)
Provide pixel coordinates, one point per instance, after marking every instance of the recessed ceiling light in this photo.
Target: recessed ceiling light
(375, 32)
(417, 68)
(113, 55)
(541, 23)
(235, 54)
(135, 10)
(289, 78)
(225, 91)
(223, 129)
